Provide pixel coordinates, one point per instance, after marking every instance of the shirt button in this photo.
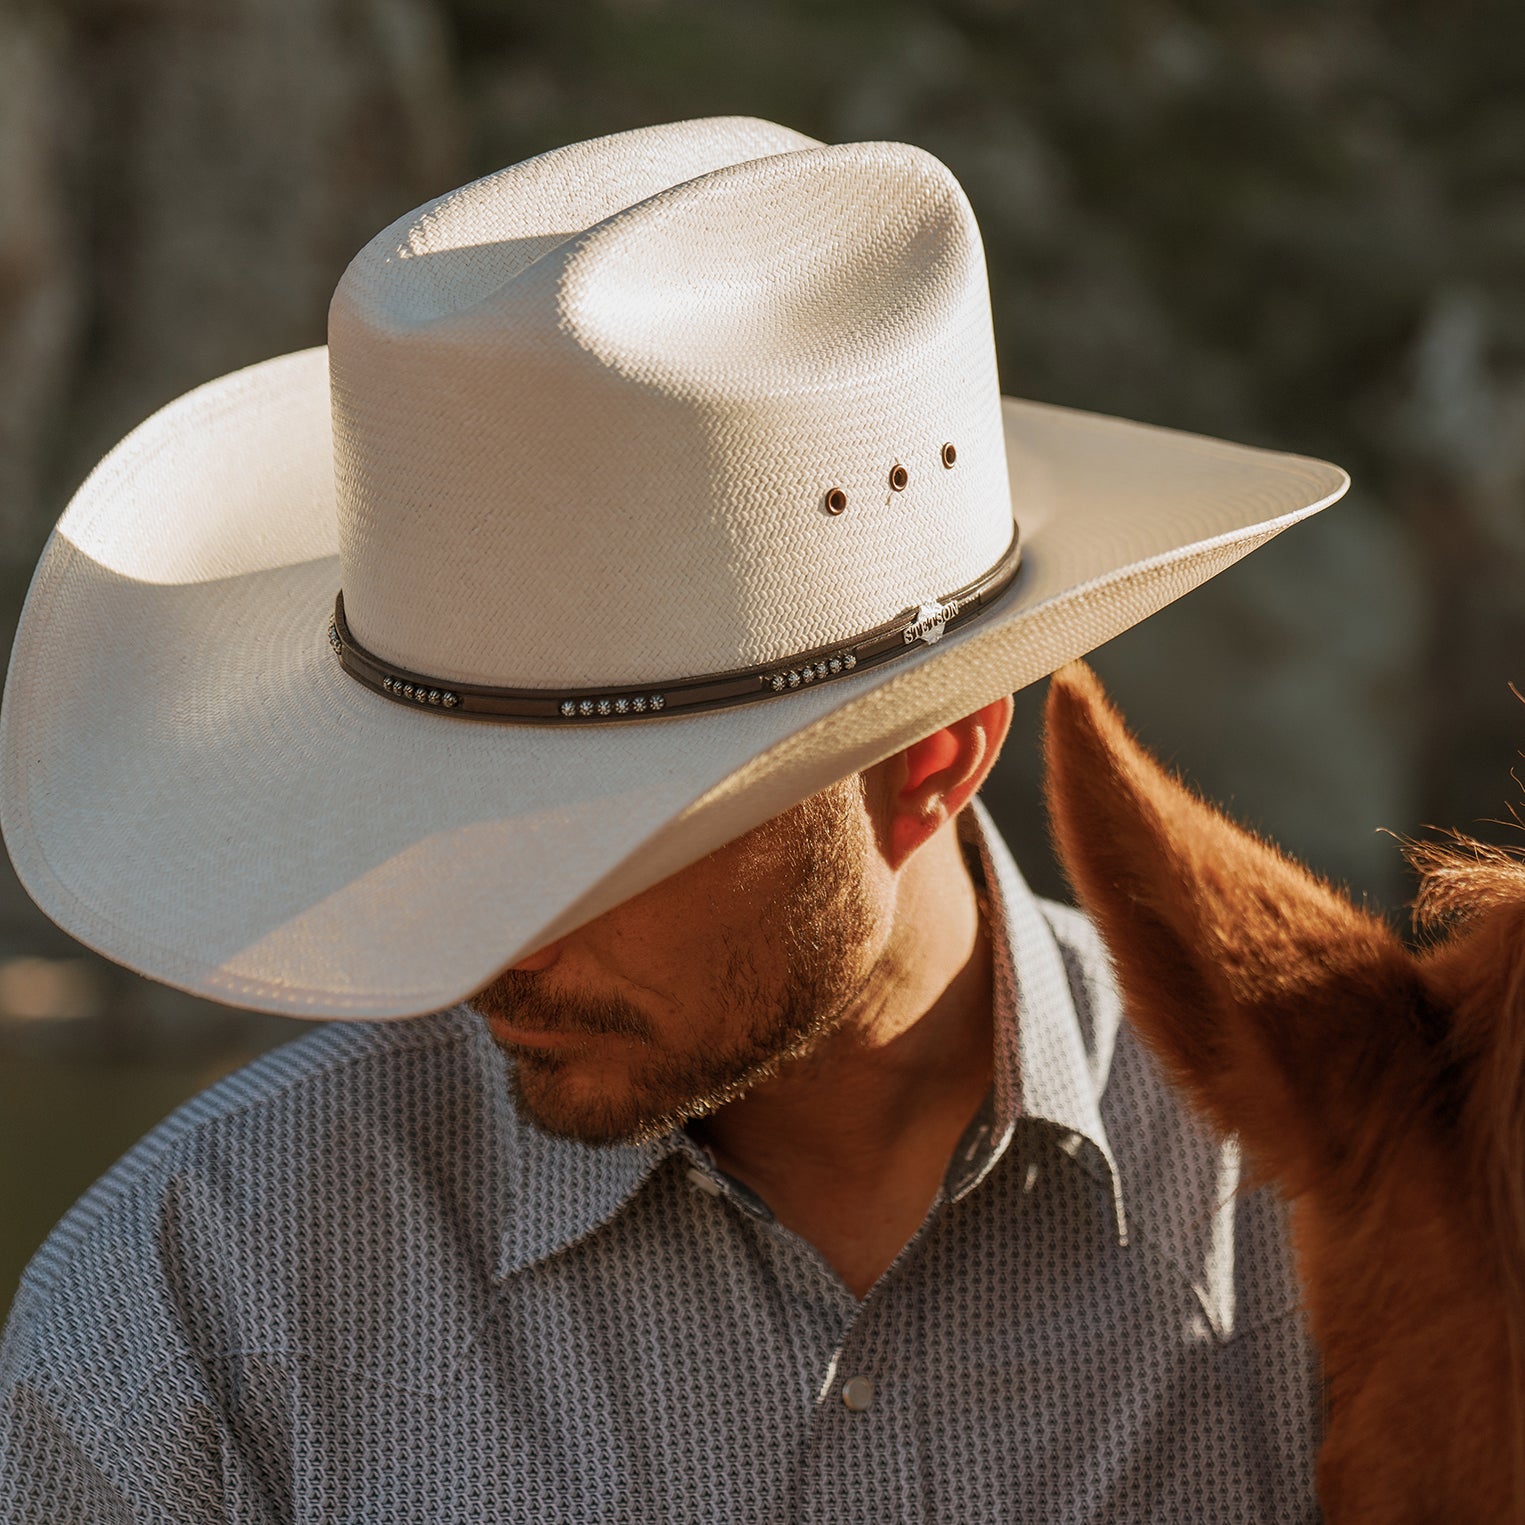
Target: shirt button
(707, 1184)
(858, 1393)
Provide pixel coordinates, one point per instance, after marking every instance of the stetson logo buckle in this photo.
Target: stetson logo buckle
(930, 622)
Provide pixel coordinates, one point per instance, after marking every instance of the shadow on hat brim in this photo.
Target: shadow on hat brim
(190, 785)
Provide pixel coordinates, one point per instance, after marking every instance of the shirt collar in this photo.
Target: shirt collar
(558, 1191)
(1048, 1074)
(1050, 1069)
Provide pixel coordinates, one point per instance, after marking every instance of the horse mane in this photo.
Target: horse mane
(1474, 893)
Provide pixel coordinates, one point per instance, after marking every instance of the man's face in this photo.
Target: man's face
(682, 999)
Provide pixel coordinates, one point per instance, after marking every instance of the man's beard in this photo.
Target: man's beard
(821, 927)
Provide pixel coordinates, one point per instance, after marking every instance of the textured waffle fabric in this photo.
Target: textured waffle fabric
(348, 1285)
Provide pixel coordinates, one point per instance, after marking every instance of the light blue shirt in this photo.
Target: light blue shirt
(350, 1284)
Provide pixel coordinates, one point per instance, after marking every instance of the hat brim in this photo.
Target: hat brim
(191, 785)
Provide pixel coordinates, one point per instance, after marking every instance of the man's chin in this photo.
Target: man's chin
(610, 1092)
(556, 1099)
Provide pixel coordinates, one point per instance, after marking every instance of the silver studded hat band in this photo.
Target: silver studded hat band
(924, 623)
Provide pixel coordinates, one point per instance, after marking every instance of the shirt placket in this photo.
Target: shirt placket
(863, 1461)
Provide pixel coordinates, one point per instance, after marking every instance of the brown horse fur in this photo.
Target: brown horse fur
(1381, 1089)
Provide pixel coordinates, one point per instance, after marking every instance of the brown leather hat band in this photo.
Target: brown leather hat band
(583, 706)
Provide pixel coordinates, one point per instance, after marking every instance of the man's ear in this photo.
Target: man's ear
(933, 779)
(1265, 993)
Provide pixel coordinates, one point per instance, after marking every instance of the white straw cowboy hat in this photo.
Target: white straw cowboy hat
(666, 479)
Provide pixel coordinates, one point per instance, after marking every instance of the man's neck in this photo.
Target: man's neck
(849, 1145)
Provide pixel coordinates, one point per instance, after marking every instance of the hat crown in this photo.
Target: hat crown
(588, 411)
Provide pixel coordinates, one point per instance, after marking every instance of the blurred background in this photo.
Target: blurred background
(1299, 225)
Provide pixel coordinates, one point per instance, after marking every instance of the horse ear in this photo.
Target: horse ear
(1475, 891)
(1262, 990)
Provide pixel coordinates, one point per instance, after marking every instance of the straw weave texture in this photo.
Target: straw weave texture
(605, 399)
(189, 782)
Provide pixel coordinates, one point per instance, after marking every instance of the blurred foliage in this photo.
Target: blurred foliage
(1298, 225)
